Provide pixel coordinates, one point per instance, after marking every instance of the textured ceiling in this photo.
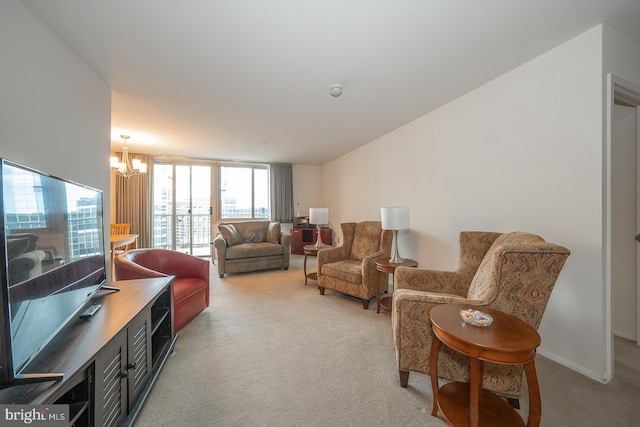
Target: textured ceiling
(249, 80)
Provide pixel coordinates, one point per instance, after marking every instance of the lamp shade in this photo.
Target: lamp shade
(395, 217)
(319, 216)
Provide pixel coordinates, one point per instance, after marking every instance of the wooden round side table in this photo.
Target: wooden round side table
(385, 266)
(508, 340)
(311, 250)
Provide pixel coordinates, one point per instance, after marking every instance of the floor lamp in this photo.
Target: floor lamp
(395, 218)
(319, 216)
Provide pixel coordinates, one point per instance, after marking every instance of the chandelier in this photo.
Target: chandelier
(127, 168)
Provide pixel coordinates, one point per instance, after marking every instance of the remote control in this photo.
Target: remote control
(90, 311)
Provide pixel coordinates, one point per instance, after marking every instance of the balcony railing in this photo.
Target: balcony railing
(231, 212)
(199, 240)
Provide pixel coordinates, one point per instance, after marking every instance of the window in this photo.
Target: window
(182, 213)
(244, 192)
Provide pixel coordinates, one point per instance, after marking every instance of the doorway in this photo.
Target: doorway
(182, 207)
(624, 211)
(624, 226)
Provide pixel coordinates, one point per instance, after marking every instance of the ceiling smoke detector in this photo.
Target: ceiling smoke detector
(335, 90)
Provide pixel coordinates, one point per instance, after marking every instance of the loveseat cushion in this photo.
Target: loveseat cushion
(273, 232)
(252, 250)
(230, 234)
(254, 232)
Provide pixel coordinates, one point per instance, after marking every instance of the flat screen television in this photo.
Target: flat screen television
(52, 262)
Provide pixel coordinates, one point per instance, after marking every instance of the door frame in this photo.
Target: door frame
(182, 161)
(616, 87)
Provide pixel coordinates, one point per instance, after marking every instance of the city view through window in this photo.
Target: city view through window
(183, 213)
(244, 192)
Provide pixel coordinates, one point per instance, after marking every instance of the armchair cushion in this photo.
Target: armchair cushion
(366, 240)
(347, 270)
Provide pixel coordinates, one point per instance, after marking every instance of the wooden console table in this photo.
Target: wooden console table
(109, 361)
(508, 340)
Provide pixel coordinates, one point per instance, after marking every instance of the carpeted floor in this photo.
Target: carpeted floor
(270, 351)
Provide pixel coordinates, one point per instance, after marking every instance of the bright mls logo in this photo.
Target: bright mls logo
(35, 415)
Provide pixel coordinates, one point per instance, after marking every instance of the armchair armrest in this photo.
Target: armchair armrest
(431, 299)
(127, 270)
(179, 264)
(369, 271)
(412, 331)
(424, 280)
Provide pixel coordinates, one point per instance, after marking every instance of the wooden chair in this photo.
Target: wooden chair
(120, 229)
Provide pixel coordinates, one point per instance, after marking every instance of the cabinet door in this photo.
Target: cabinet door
(139, 355)
(296, 241)
(110, 387)
(326, 236)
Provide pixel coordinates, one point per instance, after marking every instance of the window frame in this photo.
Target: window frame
(253, 167)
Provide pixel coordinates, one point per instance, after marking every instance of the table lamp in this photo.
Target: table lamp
(395, 218)
(319, 216)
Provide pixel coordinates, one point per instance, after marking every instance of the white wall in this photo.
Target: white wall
(308, 188)
(523, 152)
(55, 113)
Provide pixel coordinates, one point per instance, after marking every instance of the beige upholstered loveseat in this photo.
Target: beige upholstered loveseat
(251, 246)
(512, 272)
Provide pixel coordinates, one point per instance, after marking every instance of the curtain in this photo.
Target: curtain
(133, 201)
(281, 192)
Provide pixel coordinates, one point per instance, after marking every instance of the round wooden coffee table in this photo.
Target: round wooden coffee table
(385, 266)
(508, 340)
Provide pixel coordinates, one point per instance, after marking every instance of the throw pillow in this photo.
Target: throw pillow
(273, 232)
(230, 234)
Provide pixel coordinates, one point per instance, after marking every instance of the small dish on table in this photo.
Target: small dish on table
(476, 317)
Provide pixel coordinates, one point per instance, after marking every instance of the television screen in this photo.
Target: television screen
(53, 256)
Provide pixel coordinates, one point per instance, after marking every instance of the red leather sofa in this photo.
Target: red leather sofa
(191, 284)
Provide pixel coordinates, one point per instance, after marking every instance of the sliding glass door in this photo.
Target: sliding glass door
(182, 207)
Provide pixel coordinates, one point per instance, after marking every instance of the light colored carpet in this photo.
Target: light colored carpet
(270, 351)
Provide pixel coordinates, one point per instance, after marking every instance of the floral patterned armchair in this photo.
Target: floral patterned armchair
(351, 268)
(513, 272)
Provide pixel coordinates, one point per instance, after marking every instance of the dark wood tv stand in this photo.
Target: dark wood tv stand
(110, 361)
